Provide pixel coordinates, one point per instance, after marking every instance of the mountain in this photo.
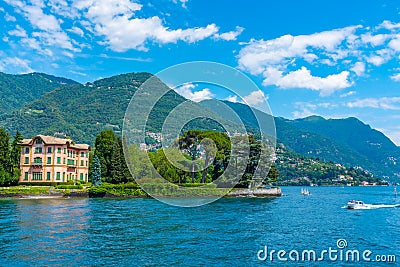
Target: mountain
(346, 141)
(16, 90)
(354, 133)
(83, 110)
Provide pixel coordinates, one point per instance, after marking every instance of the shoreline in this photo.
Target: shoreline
(239, 193)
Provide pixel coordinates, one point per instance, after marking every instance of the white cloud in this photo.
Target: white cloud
(358, 68)
(187, 91)
(60, 24)
(345, 54)
(389, 25)
(229, 36)
(20, 32)
(255, 98)
(302, 78)
(350, 93)
(9, 18)
(122, 30)
(232, 98)
(77, 31)
(14, 62)
(257, 55)
(306, 109)
(395, 77)
(182, 2)
(386, 103)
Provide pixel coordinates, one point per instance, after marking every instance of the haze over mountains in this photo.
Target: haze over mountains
(39, 103)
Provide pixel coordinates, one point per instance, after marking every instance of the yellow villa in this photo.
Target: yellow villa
(52, 159)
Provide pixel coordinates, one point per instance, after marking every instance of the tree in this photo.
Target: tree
(4, 150)
(273, 175)
(189, 142)
(96, 172)
(104, 147)
(15, 152)
(119, 170)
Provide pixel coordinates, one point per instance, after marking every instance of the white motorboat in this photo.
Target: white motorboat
(357, 204)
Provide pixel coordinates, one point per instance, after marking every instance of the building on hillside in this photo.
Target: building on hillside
(52, 159)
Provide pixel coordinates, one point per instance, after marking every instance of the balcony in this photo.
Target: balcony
(37, 164)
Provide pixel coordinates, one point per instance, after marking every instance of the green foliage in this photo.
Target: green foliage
(296, 169)
(15, 152)
(104, 148)
(96, 172)
(25, 190)
(119, 170)
(16, 90)
(9, 159)
(69, 187)
(122, 190)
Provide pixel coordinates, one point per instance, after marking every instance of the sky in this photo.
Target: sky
(334, 59)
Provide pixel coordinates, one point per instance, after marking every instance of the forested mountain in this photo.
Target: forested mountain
(83, 110)
(346, 141)
(16, 90)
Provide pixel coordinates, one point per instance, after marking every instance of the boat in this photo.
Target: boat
(305, 192)
(357, 204)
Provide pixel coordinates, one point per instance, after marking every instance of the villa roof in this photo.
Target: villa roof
(51, 140)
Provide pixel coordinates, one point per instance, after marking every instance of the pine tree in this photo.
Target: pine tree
(119, 170)
(117, 175)
(96, 174)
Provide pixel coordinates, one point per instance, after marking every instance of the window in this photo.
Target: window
(82, 154)
(63, 176)
(48, 160)
(81, 176)
(59, 150)
(65, 151)
(26, 160)
(37, 176)
(86, 163)
(48, 176)
(86, 178)
(26, 150)
(26, 176)
(58, 177)
(58, 160)
(63, 160)
(38, 150)
(49, 150)
(39, 141)
(81, 162)
(37, 160)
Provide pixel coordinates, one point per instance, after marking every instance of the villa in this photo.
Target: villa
(53, 159)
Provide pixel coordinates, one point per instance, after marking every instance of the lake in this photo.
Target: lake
(228, 232)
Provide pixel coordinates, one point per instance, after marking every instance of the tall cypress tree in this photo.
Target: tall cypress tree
(119, 170)
(96, 172)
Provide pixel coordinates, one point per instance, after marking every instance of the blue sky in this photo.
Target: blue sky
(330, 58)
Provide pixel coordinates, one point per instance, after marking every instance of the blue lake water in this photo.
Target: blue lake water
(228, 232)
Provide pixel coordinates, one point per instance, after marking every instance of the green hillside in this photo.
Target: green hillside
(16, 90)
(346, 141)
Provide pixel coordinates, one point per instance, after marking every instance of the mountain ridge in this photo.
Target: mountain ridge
(83, 110)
